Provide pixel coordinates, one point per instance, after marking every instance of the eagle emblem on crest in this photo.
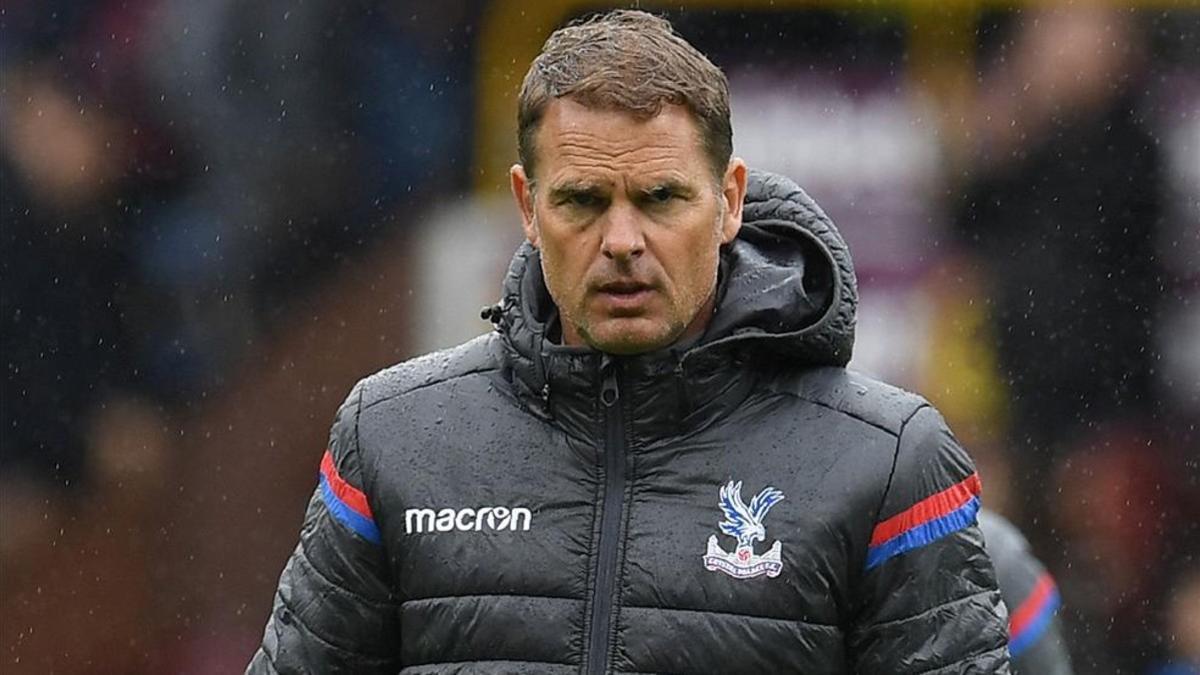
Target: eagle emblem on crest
(745, 524)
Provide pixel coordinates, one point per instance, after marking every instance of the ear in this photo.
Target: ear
(734, 193)
(522, 189)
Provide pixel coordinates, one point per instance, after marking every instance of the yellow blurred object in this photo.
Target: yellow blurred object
(963, 378)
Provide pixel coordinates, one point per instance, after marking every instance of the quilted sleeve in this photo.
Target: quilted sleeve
(928, 601)
(333, 610)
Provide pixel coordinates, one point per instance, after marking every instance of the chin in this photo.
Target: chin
(631, 339)
(625, 348)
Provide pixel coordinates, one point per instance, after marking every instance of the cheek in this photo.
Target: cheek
(693, 272)
(704, 273)
(564, 268)
(702, 254)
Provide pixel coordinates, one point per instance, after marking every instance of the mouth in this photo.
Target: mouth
(624, 296)
(623, 286)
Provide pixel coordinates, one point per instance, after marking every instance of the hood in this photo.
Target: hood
(787, 287)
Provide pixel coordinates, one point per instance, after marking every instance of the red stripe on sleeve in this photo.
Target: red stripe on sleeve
(932, 507)
(1032, 604)
(345, 492)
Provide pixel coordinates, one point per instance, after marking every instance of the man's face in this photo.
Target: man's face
(629, 220)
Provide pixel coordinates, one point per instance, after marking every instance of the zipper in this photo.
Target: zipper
(610, 518)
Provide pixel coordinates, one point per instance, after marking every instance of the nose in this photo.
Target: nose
(623, 235)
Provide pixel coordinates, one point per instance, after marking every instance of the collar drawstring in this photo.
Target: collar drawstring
(493, 313)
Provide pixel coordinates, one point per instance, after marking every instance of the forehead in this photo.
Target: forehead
(575, 142)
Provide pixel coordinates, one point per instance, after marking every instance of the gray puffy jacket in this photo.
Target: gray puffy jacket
(1036, 642)
(743, 505)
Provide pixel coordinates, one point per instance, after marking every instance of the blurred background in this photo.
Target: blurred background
(216, 216)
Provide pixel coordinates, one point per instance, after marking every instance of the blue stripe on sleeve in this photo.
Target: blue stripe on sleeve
(921, 535)
(1033, 630)
(364, 527)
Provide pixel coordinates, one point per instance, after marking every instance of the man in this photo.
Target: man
(1035, 642)
(656, 462)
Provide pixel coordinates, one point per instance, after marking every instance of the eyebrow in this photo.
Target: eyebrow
(670, 184)
(675, 186)
(574, 187)
(571, 187)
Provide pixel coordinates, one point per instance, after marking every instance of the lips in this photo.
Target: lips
(625, 296)
(624, 287)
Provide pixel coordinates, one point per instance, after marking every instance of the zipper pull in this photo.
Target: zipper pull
(609, 392)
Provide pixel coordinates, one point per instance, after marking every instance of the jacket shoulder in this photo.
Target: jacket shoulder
(855, 395)
(1016, 567)
(476, 356)
(1003, 538)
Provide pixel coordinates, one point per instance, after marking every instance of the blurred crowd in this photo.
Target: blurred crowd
(176, 175)
(209, 217)
(1072, 210)
(175, 172)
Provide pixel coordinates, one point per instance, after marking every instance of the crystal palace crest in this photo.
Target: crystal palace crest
(745, 523)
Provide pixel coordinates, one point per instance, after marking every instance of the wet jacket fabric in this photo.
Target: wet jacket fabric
(744, 504)
(1035, 635)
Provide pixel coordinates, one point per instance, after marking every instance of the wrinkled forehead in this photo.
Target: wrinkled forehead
(577, 142)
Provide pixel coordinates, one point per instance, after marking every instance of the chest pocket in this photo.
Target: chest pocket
(727, 579)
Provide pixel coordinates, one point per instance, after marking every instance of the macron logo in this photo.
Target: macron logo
(417, 521)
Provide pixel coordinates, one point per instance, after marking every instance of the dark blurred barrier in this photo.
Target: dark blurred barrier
(167, 565)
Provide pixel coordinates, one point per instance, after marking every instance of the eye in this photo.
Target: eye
(661, 194)
(583, 199)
